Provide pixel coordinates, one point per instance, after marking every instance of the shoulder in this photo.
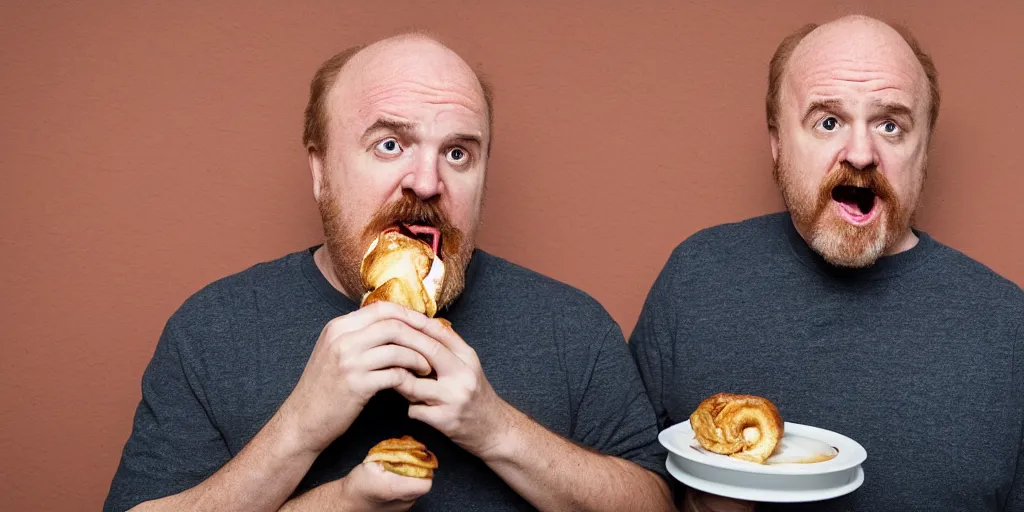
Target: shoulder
(536, 287)
(969, 277)
(214, 308)
(530, 290)
(716, 242)
(726, 251)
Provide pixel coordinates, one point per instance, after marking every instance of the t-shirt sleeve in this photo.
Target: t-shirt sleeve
(613, 414)
(173, 445)
(652, 344)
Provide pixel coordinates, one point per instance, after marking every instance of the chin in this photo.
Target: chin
(850, 246)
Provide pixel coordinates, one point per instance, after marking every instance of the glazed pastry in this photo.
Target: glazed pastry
(744, 427)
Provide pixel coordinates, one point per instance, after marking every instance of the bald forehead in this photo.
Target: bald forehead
(859, 45)
(410, 61)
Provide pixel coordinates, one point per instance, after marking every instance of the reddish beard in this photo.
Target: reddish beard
(837, 241)
(347, 246)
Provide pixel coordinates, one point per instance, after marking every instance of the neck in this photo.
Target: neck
(904, 243)
(322, 258)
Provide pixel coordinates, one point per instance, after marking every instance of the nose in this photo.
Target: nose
(424, 178)
(860, 149)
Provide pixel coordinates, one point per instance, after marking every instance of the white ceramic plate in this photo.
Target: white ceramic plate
(784, 482)
(772, 494)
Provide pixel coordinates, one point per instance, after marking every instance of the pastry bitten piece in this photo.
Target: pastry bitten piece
(404, 456)
(404, 270)
(744, 427)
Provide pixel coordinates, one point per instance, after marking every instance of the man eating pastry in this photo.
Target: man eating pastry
(269, 387)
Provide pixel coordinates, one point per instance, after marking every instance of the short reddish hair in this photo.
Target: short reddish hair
(778, 66)
(314, 130)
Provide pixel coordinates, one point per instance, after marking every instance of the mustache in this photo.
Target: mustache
(410, 209)
(848, 175)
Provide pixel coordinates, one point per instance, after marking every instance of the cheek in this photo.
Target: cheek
(364, 185)
(905, 172)
(463, 200)
(809, 162)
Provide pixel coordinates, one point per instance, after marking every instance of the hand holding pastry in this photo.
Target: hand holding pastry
(356, 355)
(460, 402)
(370, 487)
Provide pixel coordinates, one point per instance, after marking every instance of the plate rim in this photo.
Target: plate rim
(761, 494)
(857, 458)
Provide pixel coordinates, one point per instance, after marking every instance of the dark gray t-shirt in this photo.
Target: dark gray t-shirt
(234, 351)
(920, 358)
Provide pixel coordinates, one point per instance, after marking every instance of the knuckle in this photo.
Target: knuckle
(385, 308)
(346, 366)
(391, 328)
(397, 376)
(471, 385)
(435, 347)
(335, 326)
(351, 383)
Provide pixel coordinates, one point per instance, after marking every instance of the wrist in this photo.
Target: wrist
(326, 496)
(289, 438)
(505, 435)
(343, 496)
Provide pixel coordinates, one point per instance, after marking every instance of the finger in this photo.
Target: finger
(376, 312)
(385, 379)
(429, 414)
(398, 332)
(386, 356)
(426, 391)
(450, 339)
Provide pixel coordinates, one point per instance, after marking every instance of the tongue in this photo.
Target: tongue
(850, 204)
(428, 234)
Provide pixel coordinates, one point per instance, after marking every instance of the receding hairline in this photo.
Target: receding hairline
(483, 85)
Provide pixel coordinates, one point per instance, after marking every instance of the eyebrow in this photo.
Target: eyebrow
(405, 130)
(402, 128)
(890, 109)
(895, 110)
(820, 105)
(466, 138)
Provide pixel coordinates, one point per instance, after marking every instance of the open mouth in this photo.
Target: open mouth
(426, 234)
(857, 204)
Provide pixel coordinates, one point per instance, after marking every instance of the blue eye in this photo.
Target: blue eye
(456, 155)
(829, 123)
(389, 146)
(890, 127)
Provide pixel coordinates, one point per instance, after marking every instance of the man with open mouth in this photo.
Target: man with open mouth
(841, 312)
(269, 387)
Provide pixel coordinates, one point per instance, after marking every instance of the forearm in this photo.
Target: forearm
(553, 474)
(260, 477)
(329, 496)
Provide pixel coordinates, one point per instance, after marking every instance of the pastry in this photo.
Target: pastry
(404, 456)
(403, 265)
(744, 427)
